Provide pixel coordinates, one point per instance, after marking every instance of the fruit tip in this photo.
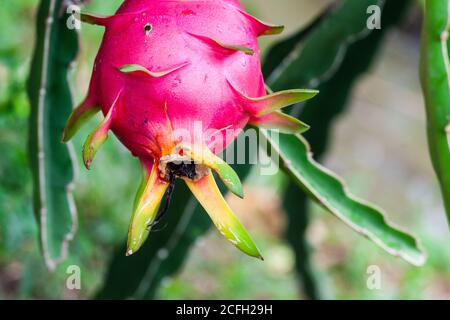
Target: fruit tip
(65, 136)
(304, 128)
(88, 164)
(273, 30)
(236, 187)
(129, 253)
(239, 191)
(279, 28)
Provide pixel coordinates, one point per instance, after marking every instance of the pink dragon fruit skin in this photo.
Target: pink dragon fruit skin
(165, 66)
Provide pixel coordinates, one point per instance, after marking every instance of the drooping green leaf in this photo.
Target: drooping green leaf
(329, 191)
(51, 104)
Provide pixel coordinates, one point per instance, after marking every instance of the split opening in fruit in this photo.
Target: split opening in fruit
(180, 166)
(175, 166)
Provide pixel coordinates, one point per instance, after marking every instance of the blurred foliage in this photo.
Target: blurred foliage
(23, 271)
(104, 216)
(346, 64)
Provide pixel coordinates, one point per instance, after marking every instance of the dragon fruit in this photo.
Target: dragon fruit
(163, 67)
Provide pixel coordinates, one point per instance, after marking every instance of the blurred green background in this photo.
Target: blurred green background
(379, 146)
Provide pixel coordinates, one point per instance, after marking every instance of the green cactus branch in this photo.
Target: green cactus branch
(51, 103)
(435, 78)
